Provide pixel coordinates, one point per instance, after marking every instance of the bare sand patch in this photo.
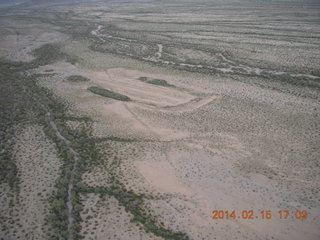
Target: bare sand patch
(162, 176)
(134, 123)
(125, 82)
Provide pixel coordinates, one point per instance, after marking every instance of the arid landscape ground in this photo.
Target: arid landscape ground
(136, 120)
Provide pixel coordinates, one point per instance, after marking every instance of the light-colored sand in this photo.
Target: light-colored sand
(214, 142)
(126, 82)
(162, 176)
(200, 171)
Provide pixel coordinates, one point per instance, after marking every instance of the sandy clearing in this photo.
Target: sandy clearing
(120, 110)
(162, 176)
(125, 82)
(133, 122)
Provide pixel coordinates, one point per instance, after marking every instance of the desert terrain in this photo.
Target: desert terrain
(137, 120)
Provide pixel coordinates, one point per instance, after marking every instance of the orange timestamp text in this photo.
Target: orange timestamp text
(264, 214)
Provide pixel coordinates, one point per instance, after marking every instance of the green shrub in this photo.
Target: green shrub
(77, 78)
(109, 94)
(154, 81)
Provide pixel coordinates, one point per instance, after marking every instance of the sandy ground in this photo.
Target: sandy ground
(104, 219)
(19, 39)
(212, 142)
(198, 171)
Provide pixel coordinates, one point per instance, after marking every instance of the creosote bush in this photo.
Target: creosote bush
(109, 94)
(77, 78)
(154, 81)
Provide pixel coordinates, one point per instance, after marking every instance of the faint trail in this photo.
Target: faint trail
(159, 53)
(190, 106)
(71, 180)
(136, 117)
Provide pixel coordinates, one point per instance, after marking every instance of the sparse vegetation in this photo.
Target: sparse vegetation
(48, 53)
(134, 203)
(246, 118)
